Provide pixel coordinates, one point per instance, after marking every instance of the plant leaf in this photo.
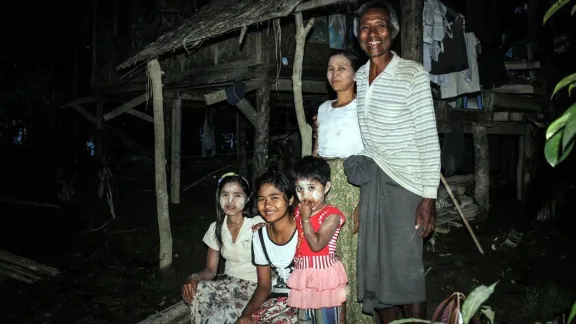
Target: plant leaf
(572, 86)
(554, 8)
(556, 126)
(478, 296)
(573, 10)
(563, 83)
(572, 314)
(552, 150)
(488, 312)
(569, 132)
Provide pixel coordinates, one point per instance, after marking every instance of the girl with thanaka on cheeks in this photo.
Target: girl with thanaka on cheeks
(273, 247)
(318, 284)
(230, 236)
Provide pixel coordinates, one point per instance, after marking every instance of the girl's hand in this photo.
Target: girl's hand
(245, 320)
(305, 210)
(189, 290)
(258, 226)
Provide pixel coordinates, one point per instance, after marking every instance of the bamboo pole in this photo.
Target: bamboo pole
(464, 220)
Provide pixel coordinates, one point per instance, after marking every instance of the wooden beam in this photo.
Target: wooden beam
(80, 101)
(125, 107)
(481, 170)
(313, 4)
(220, 95)
(514, 89)
(249, 111)
(519, 66)
(91, 118)
(509, 101)
(497, 128)
(141, 115)
(308, 86)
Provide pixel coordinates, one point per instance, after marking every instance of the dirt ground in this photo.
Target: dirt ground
(110, 276)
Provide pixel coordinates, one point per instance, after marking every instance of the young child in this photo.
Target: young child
(318, 283)
(273, 249)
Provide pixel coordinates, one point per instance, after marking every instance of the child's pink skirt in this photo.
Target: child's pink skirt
(317, 288)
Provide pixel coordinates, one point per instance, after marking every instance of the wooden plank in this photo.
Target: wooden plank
(125, 107)
(517, 102)
(176, 150)
(514, 89)
(497, 128)
(249, 111)
(220, 95)
(519, 66)
(308, 86)
(141, 115)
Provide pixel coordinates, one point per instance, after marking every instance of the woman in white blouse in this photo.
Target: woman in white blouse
(230, 236)
(337, 136)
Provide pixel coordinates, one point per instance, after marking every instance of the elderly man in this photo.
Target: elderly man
(398, 172)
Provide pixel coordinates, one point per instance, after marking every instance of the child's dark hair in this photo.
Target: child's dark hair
(220, 215)
(312, 167)
(281, 180)
(351, 56)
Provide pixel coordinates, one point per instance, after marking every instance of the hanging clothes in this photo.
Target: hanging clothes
(453, 58)
(434, 17)
(208, 140)
(463, 82)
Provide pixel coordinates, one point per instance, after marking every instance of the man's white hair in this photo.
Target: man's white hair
(378, 4)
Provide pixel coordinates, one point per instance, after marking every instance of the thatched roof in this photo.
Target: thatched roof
(214, 19)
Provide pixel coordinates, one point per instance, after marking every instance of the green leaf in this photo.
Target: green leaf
(488, 312)
(476, 298)
(555, 7)
(563, 83)
(573, 10)
(569, 131)
(556, 126)
(572, 314)
(553, 152)
(573, 85)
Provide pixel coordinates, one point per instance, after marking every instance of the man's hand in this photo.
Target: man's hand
(305, 210)
(426, 216)
(189, 290)
(356, 221)
(244, 320)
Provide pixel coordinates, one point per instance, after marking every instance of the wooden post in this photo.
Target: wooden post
(241, 144)
(99, 142)
(481, 170)
(262, 131)
(94, 35)
(520, 170)
(165, 253)
(305, 128)
(176, 149)
(411, 29)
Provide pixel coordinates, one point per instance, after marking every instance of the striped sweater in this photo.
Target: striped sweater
(398, 125)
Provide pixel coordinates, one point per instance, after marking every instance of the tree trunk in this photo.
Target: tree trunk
(411, 29)
(165, 253)
(262, 131)
(176, 150)
(305, 128)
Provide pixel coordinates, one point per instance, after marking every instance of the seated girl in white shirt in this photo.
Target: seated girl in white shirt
(221, 301)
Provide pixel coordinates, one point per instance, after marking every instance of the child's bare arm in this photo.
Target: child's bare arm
(318, 240)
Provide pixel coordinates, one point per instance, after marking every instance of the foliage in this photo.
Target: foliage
(561, 133)
(449, 311)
